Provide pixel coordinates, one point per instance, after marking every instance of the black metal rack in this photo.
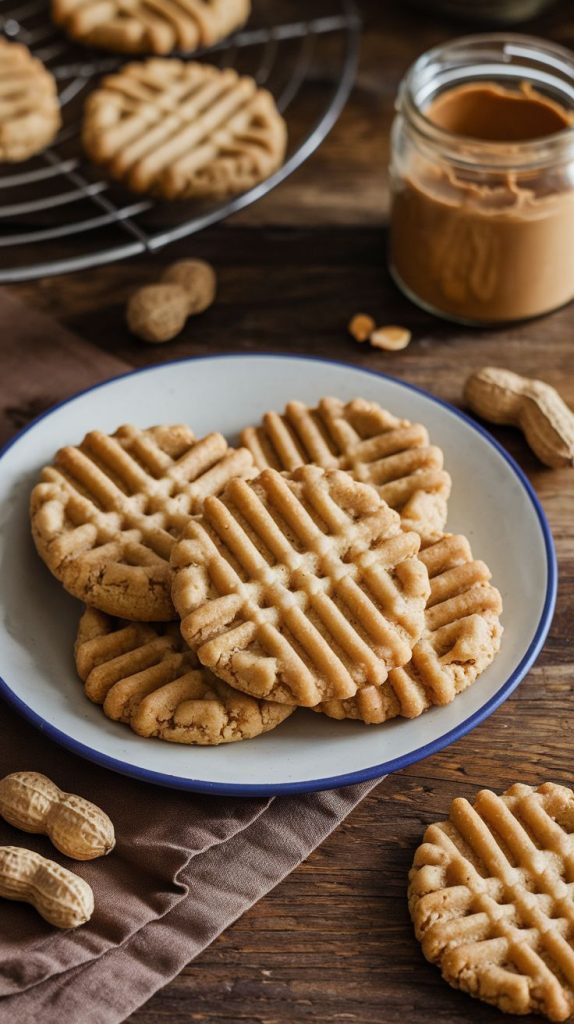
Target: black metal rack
(309, 66)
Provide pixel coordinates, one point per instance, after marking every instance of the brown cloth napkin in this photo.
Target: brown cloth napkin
(185, 865)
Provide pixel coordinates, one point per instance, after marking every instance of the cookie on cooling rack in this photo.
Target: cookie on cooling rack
(29, 107)
(376, 447)
(460, 640)
(145, 675)
(299, 589)
(491, 895)
(107, 512)
(182, 131)
(150, 26)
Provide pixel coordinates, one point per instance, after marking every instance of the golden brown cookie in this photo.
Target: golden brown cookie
(145, 675)
(29, 107)
(150, 26)
(461, 638)
(107, 512)
(491, 895)
(182, 131)
(359, 436)
(299, 588)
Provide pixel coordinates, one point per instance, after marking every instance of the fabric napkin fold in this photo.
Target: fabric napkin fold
(159, 835)
(185, 865)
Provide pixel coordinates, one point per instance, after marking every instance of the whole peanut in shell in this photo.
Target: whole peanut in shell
(536, 408)
(157, 312)
(32, 802)
(198, 280)
(61, 897)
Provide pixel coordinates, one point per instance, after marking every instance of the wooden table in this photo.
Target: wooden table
(333, 942)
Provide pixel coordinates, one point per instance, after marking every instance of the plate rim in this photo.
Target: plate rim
(348, 778)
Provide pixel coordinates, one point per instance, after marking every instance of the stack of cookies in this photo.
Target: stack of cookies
(224, 588)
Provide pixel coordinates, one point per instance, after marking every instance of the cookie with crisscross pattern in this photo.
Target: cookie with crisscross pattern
(144, 674)
(107, 512)
(184, 131)
(29, 106)
(299, 588)
(150, 26)
(491, 895)
(460, 640)
(376, 447)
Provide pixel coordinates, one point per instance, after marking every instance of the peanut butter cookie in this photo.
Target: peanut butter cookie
(299, 588)
(393, 454)
(150, 26)
(184, 131)
(29, 107)
(460, 640)
(144, 674)
(491, 895)
(106, 514)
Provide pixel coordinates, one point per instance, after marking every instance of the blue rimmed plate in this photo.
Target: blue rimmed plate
(492, 503)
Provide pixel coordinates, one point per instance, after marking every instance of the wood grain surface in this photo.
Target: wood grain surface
(333, 943)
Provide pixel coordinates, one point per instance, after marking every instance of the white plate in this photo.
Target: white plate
(492, 503)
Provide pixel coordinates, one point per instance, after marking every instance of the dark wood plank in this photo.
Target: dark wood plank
(333, 943)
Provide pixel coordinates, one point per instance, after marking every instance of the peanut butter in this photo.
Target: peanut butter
(485, 243)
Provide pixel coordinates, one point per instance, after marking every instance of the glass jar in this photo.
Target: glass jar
(482, 179)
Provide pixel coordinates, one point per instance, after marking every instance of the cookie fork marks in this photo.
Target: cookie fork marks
(461, 638)
(377, 448)
(150, 26)
(107, 512)
(29, 106)
(491, 895)
(146, 676)
(299, 589)
(181, 131)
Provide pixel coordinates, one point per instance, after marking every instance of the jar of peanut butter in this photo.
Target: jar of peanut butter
(482, 180)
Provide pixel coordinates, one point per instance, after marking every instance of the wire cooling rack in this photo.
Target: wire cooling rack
(309, 65)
